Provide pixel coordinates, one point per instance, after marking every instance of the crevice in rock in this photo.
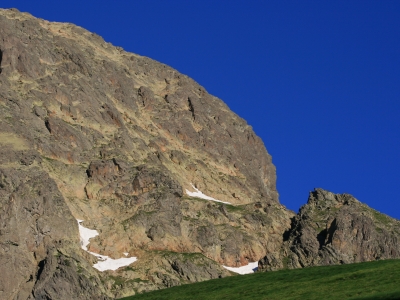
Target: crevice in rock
(330, 231)
(117, 165)
(1, 58)
(287, 233)
(30, 279)
(47, 124)
(41, 268)
(321, 237)
(191, 109)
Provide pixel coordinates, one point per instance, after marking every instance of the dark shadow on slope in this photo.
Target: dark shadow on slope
(321, 237)
(1, 59)
(287, 233)
(41, 268)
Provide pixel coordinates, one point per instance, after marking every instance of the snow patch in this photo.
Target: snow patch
(86, 234)
(199, 194)
(104, 262)
(107, 263)
(247, 269)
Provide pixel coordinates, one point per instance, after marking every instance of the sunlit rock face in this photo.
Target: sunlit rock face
(174, 187)
(335, 229)
(91, 132)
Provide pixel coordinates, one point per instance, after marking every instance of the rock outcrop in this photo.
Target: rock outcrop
(40, 256)
(335, 229)
(91, 132)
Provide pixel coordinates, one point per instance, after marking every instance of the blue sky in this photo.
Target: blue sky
(319, 81)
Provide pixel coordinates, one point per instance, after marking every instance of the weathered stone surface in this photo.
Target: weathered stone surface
(335, 229)
(39, 253)
(89, 131)
(115, 139)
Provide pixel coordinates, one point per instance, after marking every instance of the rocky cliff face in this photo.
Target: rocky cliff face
(89, 131)
(129, 145)
(335, 229)
(39, 252)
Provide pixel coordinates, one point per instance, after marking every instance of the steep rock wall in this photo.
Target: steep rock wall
(118, 139)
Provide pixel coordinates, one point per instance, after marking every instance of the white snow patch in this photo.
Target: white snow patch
(247, 269)
(199, 194)
(104, 262)
(86, 234)
(107, 263)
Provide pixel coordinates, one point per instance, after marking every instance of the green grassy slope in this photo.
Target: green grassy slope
(370, 280)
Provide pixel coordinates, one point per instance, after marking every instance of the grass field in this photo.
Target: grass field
(370, 280)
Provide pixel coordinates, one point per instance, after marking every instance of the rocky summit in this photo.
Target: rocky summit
(335, 229)
(119, 175)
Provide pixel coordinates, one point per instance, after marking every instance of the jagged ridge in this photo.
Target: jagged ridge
(335, 229)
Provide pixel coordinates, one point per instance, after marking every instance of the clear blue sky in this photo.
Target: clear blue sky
(319, 81)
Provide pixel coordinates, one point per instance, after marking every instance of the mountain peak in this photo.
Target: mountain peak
(166, 178)
(139, 151)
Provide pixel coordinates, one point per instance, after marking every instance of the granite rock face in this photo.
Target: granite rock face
(89, 131)
(335, 229)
